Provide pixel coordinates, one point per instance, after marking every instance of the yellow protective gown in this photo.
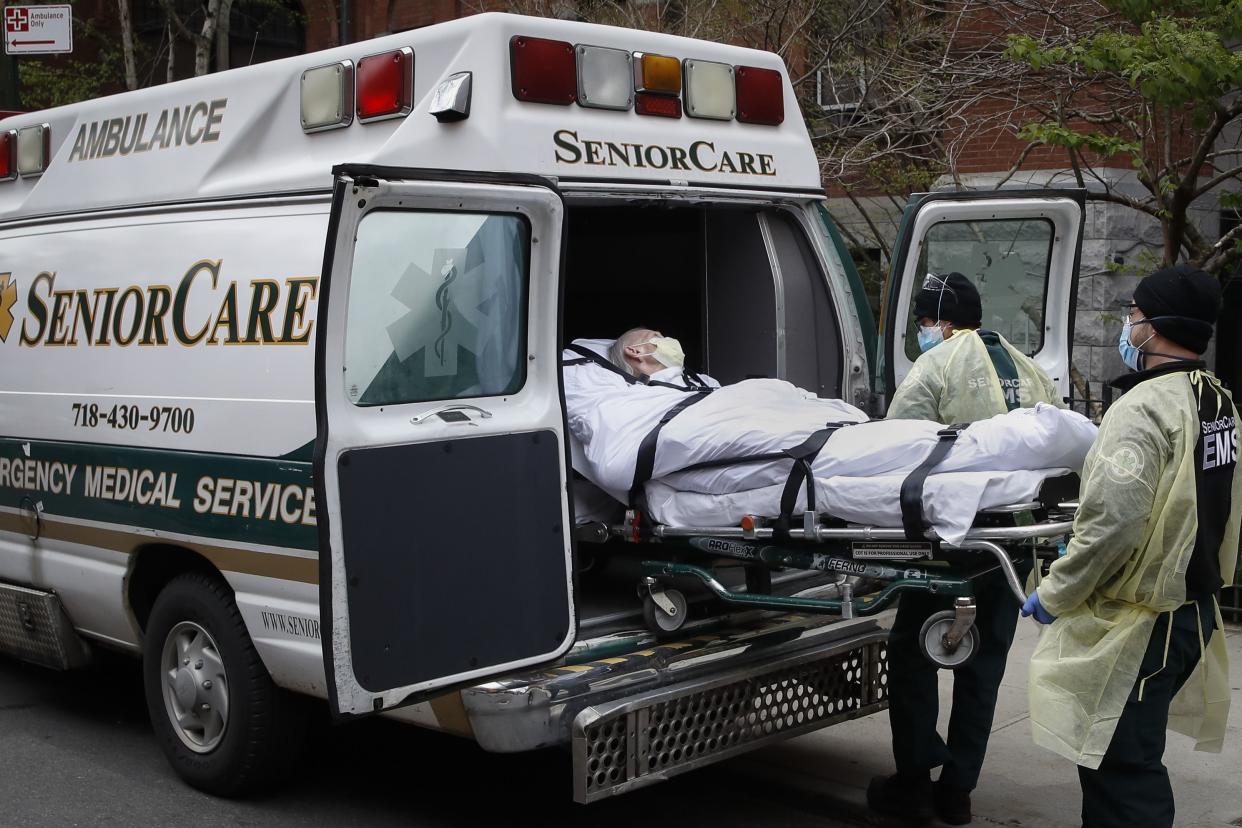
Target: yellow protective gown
(955, 382)
(1126, 563)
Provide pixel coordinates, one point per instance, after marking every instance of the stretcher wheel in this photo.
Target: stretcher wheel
(659, 621)
(931, 642)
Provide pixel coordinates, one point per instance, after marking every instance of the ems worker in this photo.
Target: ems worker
(1136, 644)
(965, 374)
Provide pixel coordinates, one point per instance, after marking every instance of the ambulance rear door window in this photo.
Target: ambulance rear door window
(437, 307)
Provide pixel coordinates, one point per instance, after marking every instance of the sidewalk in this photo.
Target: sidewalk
(1022, 785)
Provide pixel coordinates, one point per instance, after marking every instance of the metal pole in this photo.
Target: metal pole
(344, 22)
(11, 93)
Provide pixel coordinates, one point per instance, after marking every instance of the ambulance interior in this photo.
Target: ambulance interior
(704, 274)
(742, 290)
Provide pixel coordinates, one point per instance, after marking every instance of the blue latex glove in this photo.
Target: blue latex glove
(1033, 607)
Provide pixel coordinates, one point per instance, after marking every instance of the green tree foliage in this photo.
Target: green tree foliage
(54, 82)
(1152, 85)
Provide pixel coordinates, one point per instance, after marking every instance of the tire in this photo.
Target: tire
(930, 644)
(245, 747)
(658, 622)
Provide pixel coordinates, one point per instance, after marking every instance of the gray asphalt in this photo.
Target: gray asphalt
(76, 750)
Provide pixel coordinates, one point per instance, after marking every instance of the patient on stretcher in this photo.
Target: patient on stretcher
(699, 454)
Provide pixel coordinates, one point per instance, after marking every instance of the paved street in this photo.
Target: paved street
(1022, 785)
(76, 750)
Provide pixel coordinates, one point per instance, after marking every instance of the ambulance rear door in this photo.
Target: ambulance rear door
(440, 466)
(1020, 248)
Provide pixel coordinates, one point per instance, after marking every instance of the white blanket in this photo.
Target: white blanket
(858, 473)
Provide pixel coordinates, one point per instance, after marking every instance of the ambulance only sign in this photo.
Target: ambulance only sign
(38, 30)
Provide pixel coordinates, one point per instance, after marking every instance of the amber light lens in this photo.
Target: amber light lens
(657, 73)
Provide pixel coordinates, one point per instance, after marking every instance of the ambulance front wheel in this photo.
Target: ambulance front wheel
(225, 727)
(668, 619)
(934, 648)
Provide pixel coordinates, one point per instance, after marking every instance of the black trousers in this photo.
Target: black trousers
(1131, 788)
(914, 701)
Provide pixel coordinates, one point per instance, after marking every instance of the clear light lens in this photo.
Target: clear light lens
(32, 143)
(451, 101)
(709, 90)
(327, 96)
(657, 73)
(605, 77)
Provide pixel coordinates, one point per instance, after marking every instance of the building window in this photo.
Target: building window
(837, 90)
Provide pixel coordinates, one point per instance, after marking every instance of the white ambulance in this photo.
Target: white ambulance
(280, 384)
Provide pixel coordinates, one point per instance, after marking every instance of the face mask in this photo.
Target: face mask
(1131, 355)
(930, 337)
(667, 351)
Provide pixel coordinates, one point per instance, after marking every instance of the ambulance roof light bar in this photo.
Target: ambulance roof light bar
(385, 86)
(8, 155)
(557, 72)
(33, 148)
(327, 97)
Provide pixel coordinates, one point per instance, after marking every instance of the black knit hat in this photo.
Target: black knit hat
(1182, 303)
(951, 298)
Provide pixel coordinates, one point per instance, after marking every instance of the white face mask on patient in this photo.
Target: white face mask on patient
(667, 351)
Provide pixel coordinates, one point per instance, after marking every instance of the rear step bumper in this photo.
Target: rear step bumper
(654, 713)
(35, 628)
(634, 742)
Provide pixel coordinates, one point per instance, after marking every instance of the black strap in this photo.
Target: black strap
(803, 455)
(645, 464)
(590, 356)
(692, 378)
(912, 487)
(694, 382)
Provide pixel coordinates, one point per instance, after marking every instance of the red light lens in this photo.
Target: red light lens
(8, 155)
(662, 105)
(385, 85)
(760, 96)
(544, 71)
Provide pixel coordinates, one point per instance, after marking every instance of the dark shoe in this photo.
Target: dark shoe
(906, 797)
(952, 804)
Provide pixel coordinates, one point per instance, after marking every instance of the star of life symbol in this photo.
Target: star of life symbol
(8, 298)
(462, 310)
(16, 20)
(1125, 464)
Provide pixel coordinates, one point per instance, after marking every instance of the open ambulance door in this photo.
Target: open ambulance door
(1020, 248)
(441, 467)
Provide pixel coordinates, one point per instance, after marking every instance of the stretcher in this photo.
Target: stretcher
(681, 559)
(805, 504)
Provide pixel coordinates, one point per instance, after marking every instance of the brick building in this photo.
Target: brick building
(1114, 235)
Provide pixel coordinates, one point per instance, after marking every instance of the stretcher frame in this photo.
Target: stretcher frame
(931, 565)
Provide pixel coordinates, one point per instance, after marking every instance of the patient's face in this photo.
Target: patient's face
(638, 351)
